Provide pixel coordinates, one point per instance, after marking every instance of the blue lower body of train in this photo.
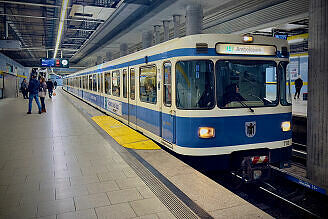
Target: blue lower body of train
(226, 150)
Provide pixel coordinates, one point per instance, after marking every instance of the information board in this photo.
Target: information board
(50, 62)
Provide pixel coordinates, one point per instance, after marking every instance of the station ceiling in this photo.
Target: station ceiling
(93, 28)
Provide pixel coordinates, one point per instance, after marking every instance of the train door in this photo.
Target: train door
(168, 112)
(132, 103)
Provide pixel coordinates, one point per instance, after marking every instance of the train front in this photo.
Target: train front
(234, 109)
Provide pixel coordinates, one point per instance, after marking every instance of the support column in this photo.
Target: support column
(166, 30)
(194, 19)
(157, 34)
(123, 49)
(176, 21)
(317, 112)
(147, 39)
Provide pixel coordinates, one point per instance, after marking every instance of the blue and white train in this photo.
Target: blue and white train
(218, 98)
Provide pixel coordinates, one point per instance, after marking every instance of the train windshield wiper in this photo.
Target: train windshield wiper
(245, 105)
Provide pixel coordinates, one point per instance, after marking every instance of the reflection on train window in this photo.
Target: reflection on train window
(90, 82)
(167, 84)
(107, 83)
(195, 84)
(100, 83)
(132, 84)
(116, 83)
(147, 84)
(125, 78)
(94, 79)
(246, 83)
(85, 79)
(80, 82)
(285, 90)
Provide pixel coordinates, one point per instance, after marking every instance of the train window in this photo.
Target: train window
(94, 82)
(116, 83)
(195, 84)
(100, 83)
(147, 84)
(85, 81)
(108, 84)
(90, 82)
(132, 84)
(125, 80)
(246, 83)
(285, 91)
(167, 84)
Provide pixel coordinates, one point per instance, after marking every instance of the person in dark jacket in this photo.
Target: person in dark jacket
(24, 88)
(298, 86)
(50, 87)
(33, 88)
(43, 93)
(55, 84)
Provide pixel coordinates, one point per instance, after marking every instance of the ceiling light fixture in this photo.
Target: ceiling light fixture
(61, 25)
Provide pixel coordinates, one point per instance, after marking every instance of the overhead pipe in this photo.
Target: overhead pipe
(157, 34)
(166, 27)
(194, 19)
(147, 39)
(123, 49)
(176, 22)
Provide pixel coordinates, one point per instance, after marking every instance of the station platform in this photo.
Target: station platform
(61, 164)
(299, 108)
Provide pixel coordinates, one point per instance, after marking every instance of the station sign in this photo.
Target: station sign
(50, 62)
(243, 49)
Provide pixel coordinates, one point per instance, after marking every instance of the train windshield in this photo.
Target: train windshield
(195, 84)
(246, 83)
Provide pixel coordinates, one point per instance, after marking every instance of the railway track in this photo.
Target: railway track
(277, 196)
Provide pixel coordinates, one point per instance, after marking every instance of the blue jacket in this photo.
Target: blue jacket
(34, 86)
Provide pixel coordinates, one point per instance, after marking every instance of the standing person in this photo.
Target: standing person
(33, 88)
(50, 87)
(55, 84)
(43, 93)
(298, 86)
(24, 88)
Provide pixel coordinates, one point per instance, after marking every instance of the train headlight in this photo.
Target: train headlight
(285, 126)
(206, 132)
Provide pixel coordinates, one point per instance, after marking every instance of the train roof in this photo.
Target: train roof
(188, 42)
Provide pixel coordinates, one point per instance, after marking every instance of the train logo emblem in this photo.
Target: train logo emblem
(250, 129)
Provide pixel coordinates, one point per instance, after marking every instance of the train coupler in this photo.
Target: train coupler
(255, 168)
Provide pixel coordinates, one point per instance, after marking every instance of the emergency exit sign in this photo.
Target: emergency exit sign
(50, 62)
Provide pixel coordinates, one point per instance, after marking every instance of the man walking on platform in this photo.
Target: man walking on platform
(55, 83)
(50, 87)
(298, 86)
(33, 88)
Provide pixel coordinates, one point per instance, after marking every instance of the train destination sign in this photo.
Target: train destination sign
(49, 62)
(242, 49)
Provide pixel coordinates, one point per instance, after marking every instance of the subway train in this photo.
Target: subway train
(222, 100)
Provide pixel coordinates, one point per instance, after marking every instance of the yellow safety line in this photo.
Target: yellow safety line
(300, 36)
(124, 135)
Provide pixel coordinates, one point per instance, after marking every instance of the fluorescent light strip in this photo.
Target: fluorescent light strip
(61, 25)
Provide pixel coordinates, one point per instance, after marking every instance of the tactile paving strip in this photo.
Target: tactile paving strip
(124, 135)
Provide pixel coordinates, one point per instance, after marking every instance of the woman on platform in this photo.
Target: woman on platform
(42, 93)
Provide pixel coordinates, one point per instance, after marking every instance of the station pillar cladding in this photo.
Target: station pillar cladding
(317, 113)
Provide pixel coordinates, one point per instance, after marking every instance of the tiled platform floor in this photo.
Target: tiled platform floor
(56, 165)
